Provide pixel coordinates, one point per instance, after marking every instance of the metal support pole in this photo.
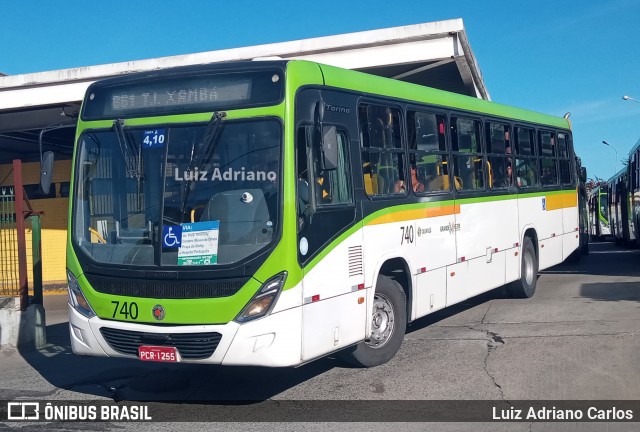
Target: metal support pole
(36, 249)
(20, 230)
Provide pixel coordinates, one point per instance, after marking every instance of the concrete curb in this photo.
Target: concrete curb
(21, 327)
(54, 292)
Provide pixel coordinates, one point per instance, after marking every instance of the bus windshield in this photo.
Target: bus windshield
(168, 196)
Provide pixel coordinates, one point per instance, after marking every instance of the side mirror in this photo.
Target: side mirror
(46, 172)
(326, 140)
(329, 147)
(583, 174)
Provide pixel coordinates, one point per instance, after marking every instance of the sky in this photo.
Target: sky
(552, 56)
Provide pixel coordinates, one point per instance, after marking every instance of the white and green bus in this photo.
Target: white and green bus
(272, 212)
(599, 227)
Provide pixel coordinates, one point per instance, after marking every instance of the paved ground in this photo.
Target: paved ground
(578, 338)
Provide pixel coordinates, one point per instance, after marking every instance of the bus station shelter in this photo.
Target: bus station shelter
(435, 54)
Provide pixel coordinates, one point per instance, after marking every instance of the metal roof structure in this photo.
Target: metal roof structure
(435, 54)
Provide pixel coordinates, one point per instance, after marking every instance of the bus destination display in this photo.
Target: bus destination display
(206, 93)
(183, 94)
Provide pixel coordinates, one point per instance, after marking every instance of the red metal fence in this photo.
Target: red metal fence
(15, 211)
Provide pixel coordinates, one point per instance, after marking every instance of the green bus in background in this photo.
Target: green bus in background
(599, 212)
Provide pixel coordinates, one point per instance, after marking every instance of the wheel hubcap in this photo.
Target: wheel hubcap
(528, 268)
(382, 321)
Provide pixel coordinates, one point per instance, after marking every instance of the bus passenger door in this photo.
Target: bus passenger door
(329, 235)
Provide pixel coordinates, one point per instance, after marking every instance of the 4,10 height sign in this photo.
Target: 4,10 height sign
(153, 138)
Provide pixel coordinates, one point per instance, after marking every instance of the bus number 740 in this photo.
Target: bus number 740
(128, 310)
(407, 234)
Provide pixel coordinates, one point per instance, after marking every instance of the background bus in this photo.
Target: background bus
(622, 204)
(583, 208)
(599, 212)
(270, 213)
(619, 209)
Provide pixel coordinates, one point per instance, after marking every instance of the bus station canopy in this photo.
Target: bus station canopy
(435, 54)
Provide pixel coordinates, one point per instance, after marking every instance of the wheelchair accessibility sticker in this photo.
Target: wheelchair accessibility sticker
(198, 243)
(171, 236)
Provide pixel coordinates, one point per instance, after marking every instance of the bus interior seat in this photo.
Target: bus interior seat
(370, 183)
(438, 183)
(387, 177)
(241, 220)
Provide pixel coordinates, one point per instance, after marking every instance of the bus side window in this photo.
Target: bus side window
(547, 152)
(500, 163)
(526, 166)
(332, 187)
(383, 161)
(428, 153)
(563, 160)
(469, 165)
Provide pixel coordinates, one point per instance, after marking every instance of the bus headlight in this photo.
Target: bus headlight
(263, 300)
(76, 298)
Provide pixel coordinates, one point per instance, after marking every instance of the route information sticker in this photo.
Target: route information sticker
(199, 243)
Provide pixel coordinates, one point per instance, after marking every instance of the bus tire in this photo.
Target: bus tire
(389, 323)
(525, 287)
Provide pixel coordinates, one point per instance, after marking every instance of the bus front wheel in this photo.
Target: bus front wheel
(388, 326)
(525, 287)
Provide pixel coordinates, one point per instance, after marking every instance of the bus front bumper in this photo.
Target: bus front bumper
(274, 340)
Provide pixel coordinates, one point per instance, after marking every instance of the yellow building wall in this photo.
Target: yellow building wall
(53, 222)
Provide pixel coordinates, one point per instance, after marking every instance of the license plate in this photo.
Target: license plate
(158, 354)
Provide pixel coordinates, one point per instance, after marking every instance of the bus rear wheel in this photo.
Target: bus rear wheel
(388, 326)
(525, 287)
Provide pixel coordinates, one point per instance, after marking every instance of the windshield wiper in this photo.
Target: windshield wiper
(208, 144)
(204, 152)
(131, 157)
(133, 167)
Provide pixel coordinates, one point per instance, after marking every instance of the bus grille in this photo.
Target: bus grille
(191, 346)
(163, 289)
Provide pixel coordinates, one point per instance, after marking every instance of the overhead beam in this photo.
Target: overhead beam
(30, 119)
(423, 68)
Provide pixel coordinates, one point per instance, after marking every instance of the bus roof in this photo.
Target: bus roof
(362, 82)
(358, 81)
(634, 148)
(617, 175)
